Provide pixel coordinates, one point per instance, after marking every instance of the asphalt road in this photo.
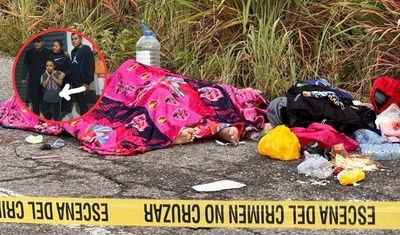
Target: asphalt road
(169, 174)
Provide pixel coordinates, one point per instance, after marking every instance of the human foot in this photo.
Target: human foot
(186, 135)
(229, 134)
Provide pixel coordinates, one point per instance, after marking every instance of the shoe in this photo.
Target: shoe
(313, 148)
(45, 147)
(59, 143)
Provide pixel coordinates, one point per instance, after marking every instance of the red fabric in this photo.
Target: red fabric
(389, 86)
(324, 135)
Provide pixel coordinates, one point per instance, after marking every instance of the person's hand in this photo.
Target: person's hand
(87, 88)
(61, 75)
(67, 54)
(23, 82)
(48, 74)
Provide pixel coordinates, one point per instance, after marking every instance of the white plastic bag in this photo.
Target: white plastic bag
(391, 115)
(315, 165)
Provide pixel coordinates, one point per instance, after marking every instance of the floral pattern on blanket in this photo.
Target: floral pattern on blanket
(14, 115)
(144, 108)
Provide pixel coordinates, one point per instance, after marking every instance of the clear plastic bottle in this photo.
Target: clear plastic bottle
(346, 177)
(148, 49)
(315, 165)
(377, 147)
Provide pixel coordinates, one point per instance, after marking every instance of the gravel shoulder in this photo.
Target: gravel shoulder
(6, 63)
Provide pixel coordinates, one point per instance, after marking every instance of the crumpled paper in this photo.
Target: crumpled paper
(353, 161)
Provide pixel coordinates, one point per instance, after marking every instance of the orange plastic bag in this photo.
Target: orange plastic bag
(280, 143)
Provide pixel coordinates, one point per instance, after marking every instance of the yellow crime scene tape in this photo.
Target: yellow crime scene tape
(201, 213)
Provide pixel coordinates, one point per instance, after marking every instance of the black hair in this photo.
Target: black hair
(76, 34)
(60, 42)
(51, 60)
(38, 39)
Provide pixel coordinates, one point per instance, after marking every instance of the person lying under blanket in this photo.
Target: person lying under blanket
(146, 108)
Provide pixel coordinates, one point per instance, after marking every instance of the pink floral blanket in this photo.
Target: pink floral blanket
(144, 108)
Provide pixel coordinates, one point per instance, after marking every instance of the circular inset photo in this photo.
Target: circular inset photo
(59, 75)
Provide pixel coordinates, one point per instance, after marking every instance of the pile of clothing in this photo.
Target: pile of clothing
(317, 111)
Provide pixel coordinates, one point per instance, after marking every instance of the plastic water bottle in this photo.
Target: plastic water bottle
(350, 177)
(148, 48)
(377, 147)
(315, 165)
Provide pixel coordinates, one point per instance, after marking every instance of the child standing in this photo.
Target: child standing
(51, 82)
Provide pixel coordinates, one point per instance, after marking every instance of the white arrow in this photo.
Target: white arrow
(66, 91)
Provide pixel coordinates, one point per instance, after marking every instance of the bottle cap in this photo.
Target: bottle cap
(344, 180)
(148, 33)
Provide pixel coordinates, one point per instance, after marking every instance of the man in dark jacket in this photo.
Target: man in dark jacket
(81, 70)
(34, 63)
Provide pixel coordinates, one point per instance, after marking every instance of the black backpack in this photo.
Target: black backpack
(312, 103)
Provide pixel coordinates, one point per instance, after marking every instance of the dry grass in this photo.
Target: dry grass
(263, 44)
